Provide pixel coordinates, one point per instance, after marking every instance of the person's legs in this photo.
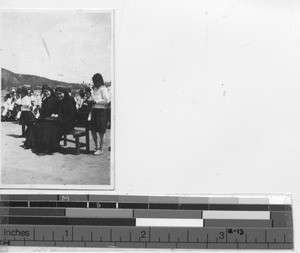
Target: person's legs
(101, 141)
(95, 138)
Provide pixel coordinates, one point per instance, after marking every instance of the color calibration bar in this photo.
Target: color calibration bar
(146, 221)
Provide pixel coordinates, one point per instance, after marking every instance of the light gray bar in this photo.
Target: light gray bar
(70, 244)
(236, 215)
(185, 214)
(193, 200)
(252, 245)
(131, 245)
(222, 200)
(39, 243)
(281, 246)
(163, 200)
(222, 245)
(99, 213)
(104, 198)
(258, 201)
(157, 245)
(237, 223)
(133, 199)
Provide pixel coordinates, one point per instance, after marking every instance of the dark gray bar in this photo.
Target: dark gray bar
(17, 243)
(163, 199)
(14, 204)
(222, 245)
(101, 244)
(39, 244)
(282, 219)
(73, 198)
(70, 244)
(133, 199)
(104, 198)
(157, 245)
(191, 245)
(281, 246)
(280, 207)
(42, 197)
(131, 244)
(13, 197)
(252, 245)
(101, 221)
(249, 207)
(36, 211)
(4, 211)
(236, 223)
(33, 220)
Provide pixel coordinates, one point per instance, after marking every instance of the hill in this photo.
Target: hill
(10, 80)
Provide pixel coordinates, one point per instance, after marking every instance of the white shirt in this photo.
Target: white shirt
(101, 97)
(6, 106)
(26, 103)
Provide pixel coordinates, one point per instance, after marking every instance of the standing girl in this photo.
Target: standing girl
(100, 98)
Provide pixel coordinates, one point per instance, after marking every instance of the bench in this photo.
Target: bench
(77, 133)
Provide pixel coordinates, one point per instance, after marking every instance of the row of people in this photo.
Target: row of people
(11, 109)
(58, 115)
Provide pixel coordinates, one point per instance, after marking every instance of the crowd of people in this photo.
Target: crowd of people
(46, 117)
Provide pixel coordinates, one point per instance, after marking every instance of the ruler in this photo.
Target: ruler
(123, 221)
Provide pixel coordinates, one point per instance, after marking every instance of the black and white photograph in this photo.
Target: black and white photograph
(57, 99)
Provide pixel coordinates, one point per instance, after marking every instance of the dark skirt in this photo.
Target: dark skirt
(98, 121)
(46, 135)
(26, 118)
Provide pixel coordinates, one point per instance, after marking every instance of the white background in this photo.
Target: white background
(207, 95)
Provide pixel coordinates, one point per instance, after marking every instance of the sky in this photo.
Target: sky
(63, 45)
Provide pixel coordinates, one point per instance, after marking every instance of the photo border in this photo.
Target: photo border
(52, 187)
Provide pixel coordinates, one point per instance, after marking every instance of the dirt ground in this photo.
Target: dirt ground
(22, 166)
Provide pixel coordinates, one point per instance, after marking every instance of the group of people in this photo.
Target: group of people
(60, 112)
(11, 109)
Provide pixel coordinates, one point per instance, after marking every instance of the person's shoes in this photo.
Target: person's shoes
(41, 154)
(98, 152)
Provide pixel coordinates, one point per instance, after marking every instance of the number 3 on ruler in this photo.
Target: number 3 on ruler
(221, 235)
